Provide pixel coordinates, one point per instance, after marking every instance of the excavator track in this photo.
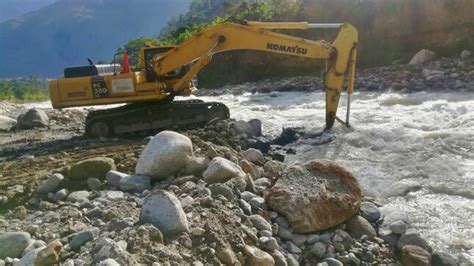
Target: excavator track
(151, 117)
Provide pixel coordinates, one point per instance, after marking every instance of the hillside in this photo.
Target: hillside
(12, 8)
(65, 33)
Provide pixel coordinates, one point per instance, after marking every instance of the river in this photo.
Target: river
(414, 151)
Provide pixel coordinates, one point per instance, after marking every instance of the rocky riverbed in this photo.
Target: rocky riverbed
(208, 196)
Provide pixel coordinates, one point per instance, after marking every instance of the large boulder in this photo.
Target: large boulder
(316, 197)
(163, 210)
(33, 118)
(166, 154)
(422, 57)
(13, 244)
(220, 170)
(95, 167)
(6, 123)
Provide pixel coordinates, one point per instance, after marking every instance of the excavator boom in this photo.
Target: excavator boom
(168, 71)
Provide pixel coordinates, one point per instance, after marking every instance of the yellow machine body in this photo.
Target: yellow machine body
(157, 77)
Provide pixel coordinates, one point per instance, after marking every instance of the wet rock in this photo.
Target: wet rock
(288, 135)
(13, 244)
(370, 211)
(357, 226)
(93, 183)
(260, 223)
(398, 227)
(414, 255)
(257, 257)
(6, 123)
(94, 167)
(163, 210)
(50, 184)
(320, 196)
(82, 237)
(196, 165)
(166, 154)
(253, 155)
(242, 127)
(135, 183)
(256, 125)
(32, 118)
(422, 57)
(443, 259)
(78, 195)
(113, 178)
(413, 238)
(220, 170)
(465, 54)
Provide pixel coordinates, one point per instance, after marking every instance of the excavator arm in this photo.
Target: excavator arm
(340, 56)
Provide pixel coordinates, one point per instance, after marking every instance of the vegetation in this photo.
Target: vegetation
(21, 90)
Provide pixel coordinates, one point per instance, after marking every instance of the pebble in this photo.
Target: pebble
(370, 211)
(284, 233)
(82, 237)
(61, 194)
(50, 184)
(398, 227)
(318, 249)
(260, 223)
(246, 208)
(78, 195)
(293, 248)
(93, 183)
(247, 196)
(256, 202)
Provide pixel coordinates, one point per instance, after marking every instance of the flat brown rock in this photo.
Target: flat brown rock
(315, 197)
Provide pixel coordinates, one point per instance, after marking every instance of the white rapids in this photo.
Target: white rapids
(414, 151)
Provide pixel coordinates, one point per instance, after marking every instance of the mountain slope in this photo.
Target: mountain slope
(65, 33)
(12, 8)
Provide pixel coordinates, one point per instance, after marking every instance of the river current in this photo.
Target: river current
(413, 151)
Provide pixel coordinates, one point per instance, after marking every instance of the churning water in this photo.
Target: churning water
(414, 151)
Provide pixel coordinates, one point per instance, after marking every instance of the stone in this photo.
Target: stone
(263, 182)
(33, 244)
(221, 170)
(93, 183)
(465, 54)
(196, 165)
(413, 238)
(273, 169)
(284, 233)
(268, 243)
(443, 259)
(113, 195)
(222, 189)
(299, 239)
(247, 195)
(113, 178)
(256, 125)
(106, 248)
(292, 260)
(422, 57)
(45, 255)
(163, 210)
(318, 249)
(256, 202)
(32, 118)
(398, 227)
(50, 184)
(78, 195)
(13, 244)
(243, 128)
(333, 262)
(318, 197)
(249, 168)
(357, 226)
(246, 208)
(227, 257)
(135, 183)
(414, 255)
(312, 239)
(167, 154)
(354, 259)
(260, 223)
(109, 262)
(93, 167)
(82, 237)
(279, 258)
(7, 123)
(61, 194)
(253, 155)
(293, 248)
(257, 257)
(370, 211)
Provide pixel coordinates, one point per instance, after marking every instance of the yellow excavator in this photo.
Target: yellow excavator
(166, 72)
